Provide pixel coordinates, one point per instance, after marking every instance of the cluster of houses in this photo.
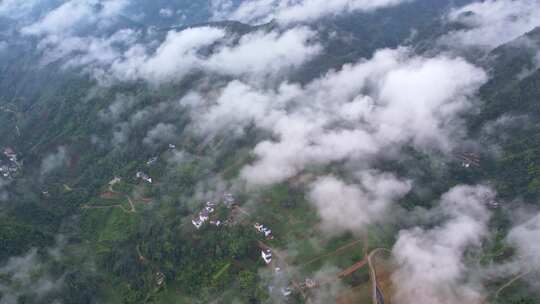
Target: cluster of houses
(160, 278)
(468, 159)
(309, 283)
(264, 230)
(7, 169)
(144, 177)
(204, 216)
(151, 161)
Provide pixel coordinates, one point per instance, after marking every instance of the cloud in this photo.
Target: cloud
(4, 194)
(430, 262)
(17, 9)
(23, 275)
(119, 107)
(166, 13)
(127, 118)
(132, 55)
(177, 56)
(162, 133)
(265, 53)
(256, 54)
(286, 11)
(91, 53)
(54, 161)
(493, 22)
(525, 238)
(364, 111)
(67, 17)
(348, 207)
(178, 157)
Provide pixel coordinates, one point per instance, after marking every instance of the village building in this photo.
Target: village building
(160, 278)
(494, 204)
(264, 230)
(115, 181)
(152, 161)
(228, 200)
(310, 283)
(267, 255)
(10, 154)
(144, 177)
(204, 216)
(197, 222)
(286, 291)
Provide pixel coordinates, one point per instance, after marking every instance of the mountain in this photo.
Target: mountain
(269, 151)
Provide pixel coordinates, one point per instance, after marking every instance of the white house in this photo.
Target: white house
(197, 222)
(286, 291)
(144, 177)
(152, 161)
(264, 230)
(204, 215)
(267, 255)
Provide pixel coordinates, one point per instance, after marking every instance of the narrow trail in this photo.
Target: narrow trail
(130, 210)
(109, 207)
(131, 204)
(519, 276)
(139, 253)
(353, 268)
(340, 249)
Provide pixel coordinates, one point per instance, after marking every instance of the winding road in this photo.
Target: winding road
(377, 294)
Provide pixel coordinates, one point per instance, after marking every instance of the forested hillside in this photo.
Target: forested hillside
(269, 151)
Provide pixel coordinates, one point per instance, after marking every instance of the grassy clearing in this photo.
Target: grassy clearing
(112, 224)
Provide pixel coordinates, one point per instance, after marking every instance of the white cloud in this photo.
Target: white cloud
(60, 32)
(525, 237)
(493, 22)
(66, 17)
(54, 161)
(287, 11)
(257, 54)
(17, 8)
(120, 106)
(162, 133)
(166, 13)
(91, 53)
(348, 207)
(366, 110)
(431, 267)
(4, 194)
(122, 56)
(262, 53)
(174, 58)
(28, 274)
